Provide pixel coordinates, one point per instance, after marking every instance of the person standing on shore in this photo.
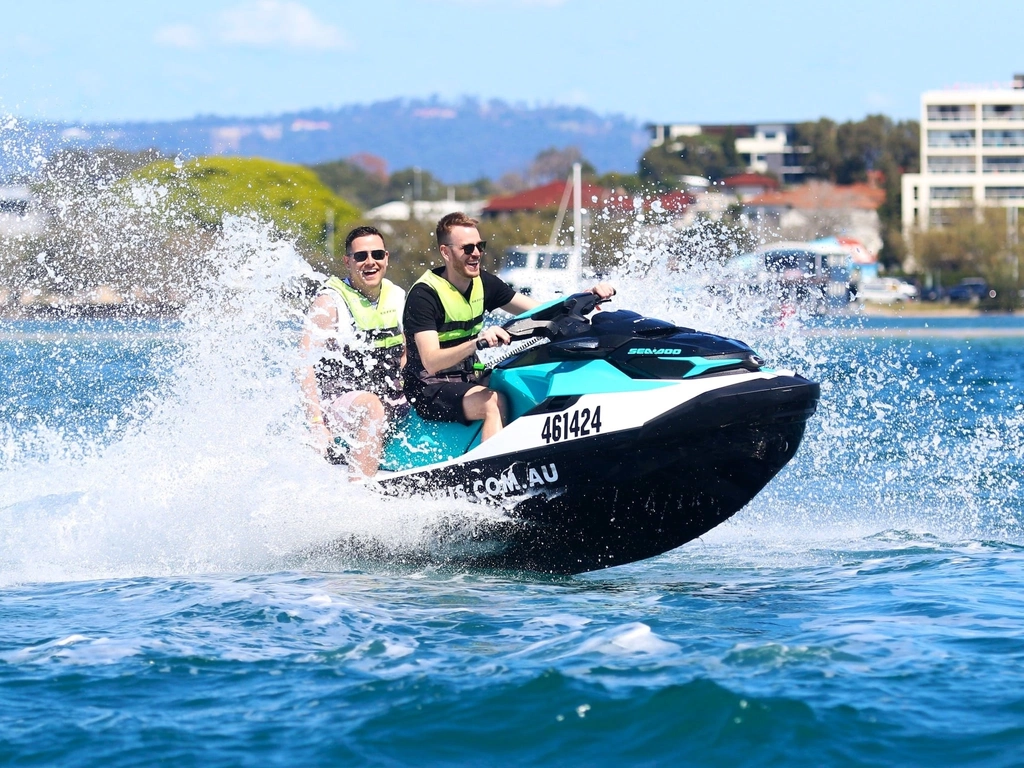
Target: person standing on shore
(355, 348)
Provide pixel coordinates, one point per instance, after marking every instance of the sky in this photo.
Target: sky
(655, 61)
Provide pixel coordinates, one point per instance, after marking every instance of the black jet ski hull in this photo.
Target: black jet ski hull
(626, 495)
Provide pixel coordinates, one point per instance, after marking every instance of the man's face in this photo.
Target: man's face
(455, 256)
(367, 274)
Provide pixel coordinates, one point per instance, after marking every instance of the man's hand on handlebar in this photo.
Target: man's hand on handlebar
(492, 336)
(602, 290)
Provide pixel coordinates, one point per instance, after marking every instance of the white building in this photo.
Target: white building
(424, 210)
(20, 216)
(972, 153)
(764, 147)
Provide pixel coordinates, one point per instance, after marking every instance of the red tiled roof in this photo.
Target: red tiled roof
(751, 180)
(672, 202)
(546, 196)
(550, 196)
(816, 195)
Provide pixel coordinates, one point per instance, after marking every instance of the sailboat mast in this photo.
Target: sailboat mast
(577, 212)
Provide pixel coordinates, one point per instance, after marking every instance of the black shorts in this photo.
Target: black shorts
(440, 401)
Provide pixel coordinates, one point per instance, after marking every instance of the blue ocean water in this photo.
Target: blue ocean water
(161, 599)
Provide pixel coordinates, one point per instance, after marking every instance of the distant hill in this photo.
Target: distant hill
(456, 141)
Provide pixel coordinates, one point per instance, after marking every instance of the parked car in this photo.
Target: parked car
(930, 293)
(971, 289)
(886, 290)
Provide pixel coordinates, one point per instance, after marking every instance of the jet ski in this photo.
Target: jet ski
(627, 437)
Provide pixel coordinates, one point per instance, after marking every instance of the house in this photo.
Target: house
(820, 208)
(593, 197)
(763, 147)
(545, 196)
(748, 185)
(20, 216)
(423, 210)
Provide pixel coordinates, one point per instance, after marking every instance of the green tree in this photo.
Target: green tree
(291, 197)
(415, 184)
(349, 181)
(974, 243)
(553, 164)
(703, 155)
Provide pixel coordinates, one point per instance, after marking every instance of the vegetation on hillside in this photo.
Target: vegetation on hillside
(368, 188)
(290, 197)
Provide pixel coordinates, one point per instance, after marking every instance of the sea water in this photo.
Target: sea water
(165, 596)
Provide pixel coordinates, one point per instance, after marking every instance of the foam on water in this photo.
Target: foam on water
(213, 471)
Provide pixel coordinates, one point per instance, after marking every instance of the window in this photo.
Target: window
(788, 261)
(961, 138)
(1004, 193)
(943, 164)
(558, 261)
(1004, 138)
(17, 207)
(951, 112)
(1012, 164)
(515, 260)
(952, 193)
(1002, 112)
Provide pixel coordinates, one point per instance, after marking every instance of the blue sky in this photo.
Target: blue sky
(655, 61)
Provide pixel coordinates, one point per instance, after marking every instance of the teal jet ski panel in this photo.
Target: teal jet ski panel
(529, 386)
(417, 442)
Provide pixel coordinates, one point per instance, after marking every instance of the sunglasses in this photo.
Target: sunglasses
(360, 256)
(470, 247)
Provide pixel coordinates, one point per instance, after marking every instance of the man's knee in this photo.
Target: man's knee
(483, 402)
(369, 406)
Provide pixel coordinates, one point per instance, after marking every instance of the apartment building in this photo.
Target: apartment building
(972, 153)
(764, 147)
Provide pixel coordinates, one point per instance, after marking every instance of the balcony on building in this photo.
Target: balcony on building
(1004, 193)
(952, 164)
(1004, 164)
(1002, 138)
(959, 194)
(951, 113)
(964, 137)
(1002, 112)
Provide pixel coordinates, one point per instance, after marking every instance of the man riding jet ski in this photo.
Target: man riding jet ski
(627, 437)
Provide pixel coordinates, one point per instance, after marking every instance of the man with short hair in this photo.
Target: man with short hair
(444, 315)
(353, 391)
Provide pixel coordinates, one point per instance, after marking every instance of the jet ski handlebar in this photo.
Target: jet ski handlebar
(560, 318)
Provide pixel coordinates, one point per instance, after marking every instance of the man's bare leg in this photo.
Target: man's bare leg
(368, 422)
(483, 404)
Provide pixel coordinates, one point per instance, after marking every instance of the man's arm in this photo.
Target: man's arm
(434, 358)
(323, 316)
(520, 304)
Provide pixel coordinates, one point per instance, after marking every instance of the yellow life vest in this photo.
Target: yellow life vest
(462, 319)
(378, 323)
(356, 368)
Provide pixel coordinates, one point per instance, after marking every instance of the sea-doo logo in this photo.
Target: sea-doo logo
(655, 351)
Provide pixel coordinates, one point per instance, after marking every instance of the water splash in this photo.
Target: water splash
(204, 464)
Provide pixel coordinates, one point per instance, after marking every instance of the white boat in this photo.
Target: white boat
(545, 272)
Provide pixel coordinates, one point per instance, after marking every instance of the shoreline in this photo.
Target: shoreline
(926, 312)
